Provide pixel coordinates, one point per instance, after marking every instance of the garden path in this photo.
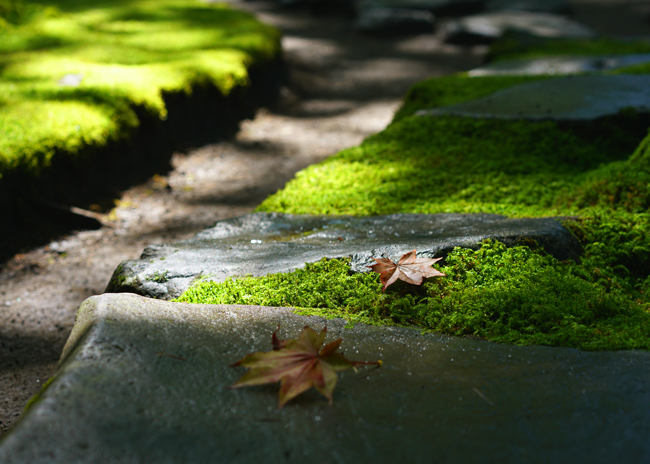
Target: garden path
(343, 87)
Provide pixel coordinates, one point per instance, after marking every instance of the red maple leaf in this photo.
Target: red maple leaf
(410, 269)
(298, 365)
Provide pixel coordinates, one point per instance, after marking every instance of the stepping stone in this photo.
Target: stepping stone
(545, 6)
(437, 7)
(381, 20)
(485, 28)
(147, 381)
(557, 65)
(265, 243)
(573, 98)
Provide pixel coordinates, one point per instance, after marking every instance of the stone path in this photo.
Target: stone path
(343, 87)
(143, 380)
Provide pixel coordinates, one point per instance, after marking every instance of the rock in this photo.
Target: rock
(573, 98)
(485, 28)
(381, 20)
(437, 7)
(543, 6)
(557, 65)
(265, 243)
(144, 380)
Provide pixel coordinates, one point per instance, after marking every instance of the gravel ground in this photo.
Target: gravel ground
(343, 87)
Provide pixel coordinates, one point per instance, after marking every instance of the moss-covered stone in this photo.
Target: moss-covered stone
(596, 172)
(516, 295)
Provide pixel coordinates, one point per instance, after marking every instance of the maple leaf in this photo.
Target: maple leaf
(410, 269)
(298, 364)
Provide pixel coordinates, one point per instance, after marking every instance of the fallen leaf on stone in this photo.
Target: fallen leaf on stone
(298, 365)
(410, 269)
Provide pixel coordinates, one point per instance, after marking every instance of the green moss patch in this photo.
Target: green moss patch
(463, 165)
(516, 295)
(125, 55)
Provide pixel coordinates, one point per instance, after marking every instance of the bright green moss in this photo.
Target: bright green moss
(128, 53)
(452, 164)
(515, 295)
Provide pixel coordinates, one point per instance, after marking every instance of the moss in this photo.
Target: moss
(39, 396)
(452, 164)
(514, 295)
(159, 277)
(128, 56)
(517, 45)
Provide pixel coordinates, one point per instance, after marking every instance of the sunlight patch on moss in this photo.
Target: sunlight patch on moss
(126, 55)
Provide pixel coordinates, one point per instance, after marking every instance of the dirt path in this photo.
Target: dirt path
(344, 86)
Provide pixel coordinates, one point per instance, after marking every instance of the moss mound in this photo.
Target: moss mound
(74, 75)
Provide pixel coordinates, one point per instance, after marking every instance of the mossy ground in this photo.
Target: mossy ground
(128, 54)
(598, 173)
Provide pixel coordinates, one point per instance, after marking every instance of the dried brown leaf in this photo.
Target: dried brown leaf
(298, 364)
(410, 269)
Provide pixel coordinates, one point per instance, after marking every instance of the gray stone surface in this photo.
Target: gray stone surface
(264, 243)
(147, 381)
(572, 98)
(438, 7)
(382, 20)
(545, 6)
(557, 65)
(487, 27)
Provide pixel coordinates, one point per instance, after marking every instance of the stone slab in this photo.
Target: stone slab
(382, 20)
(487, 27)
(545, 6)
(265, 243)
(437, 7)
(572, 98)
(559, 65)
(147, 381)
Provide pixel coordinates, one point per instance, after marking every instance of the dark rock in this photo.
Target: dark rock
(147, 381)
(379, 20)
(578, 98)
(486, 28)
(541, 6)
(437, 7)
(558, 65)
(265, 243)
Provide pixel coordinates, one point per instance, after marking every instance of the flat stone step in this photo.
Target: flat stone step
(265, 243)
(487, 27)
(572, 98)
(146, 380)
(559, 65)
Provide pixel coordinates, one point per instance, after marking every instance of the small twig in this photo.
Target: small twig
(480, 393)
(162, 353)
